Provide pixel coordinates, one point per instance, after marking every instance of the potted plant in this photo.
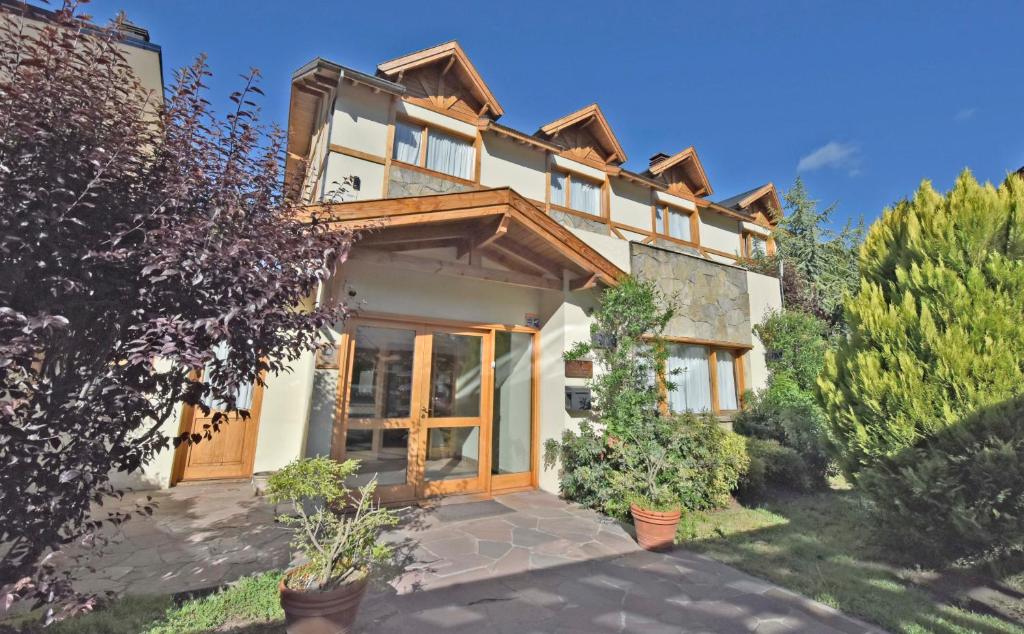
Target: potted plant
(647, 477)
(337, 530)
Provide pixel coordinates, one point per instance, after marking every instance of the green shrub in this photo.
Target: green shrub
(789, 417)
(935, 329)
(959, 492)
(705, 464)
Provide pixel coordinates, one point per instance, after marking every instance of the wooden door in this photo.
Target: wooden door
(229, 452)
(412, 407)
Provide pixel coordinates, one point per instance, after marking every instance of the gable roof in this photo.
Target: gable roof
(690, 163)
(765, 194)
(592, 118)
(452, 55)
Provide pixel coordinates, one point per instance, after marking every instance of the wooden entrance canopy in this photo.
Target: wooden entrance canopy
(498, 235)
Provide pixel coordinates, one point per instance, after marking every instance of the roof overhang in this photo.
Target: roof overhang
(764, 199)
(692, 168)
(452, 55)
(594, 119)
(311, 84)
(524, 246)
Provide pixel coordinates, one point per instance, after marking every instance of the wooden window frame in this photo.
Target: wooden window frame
(601, 214)
(662, 231)
(738, 359)
(421, 161)
(748, 244)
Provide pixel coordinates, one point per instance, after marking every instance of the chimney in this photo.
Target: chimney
(657, 158)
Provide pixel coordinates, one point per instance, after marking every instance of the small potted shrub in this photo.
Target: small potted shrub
(647, 477)
(337, 530)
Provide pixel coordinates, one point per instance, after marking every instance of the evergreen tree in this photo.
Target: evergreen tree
(936, 329)
(825, 261)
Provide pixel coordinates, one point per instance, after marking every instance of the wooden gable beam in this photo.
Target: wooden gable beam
(453, 269)
(585, 282)
(525, 258)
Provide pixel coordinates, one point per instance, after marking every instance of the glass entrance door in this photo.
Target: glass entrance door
(454, 437)
(414, 409)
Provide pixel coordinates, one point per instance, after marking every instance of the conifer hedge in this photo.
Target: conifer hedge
(936, 329)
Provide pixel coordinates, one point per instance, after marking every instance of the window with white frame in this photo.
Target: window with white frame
(576, 192)
(697, 372)
(421, 145)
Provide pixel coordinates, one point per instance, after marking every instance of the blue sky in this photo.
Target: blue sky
(863, 99)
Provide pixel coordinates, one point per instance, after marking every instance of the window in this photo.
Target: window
(754, 245)
(674, 223)
(444, 153)
(697, 372)
(575, 192)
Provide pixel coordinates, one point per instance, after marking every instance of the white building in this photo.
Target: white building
(492, 250)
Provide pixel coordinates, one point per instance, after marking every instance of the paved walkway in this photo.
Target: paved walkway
(521, 563)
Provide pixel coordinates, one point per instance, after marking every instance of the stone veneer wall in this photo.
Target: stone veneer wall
(575, 222)
(713, 302)
(403, 183)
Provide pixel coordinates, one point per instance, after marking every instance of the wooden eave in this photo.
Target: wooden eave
(498, 221)
(591, 115)
(768, 191)
(448, 53)
(691, 163)
(522, 137)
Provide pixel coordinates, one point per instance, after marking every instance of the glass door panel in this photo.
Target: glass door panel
(512, 417)
(455, 375)
(452, 418)
(379, 417)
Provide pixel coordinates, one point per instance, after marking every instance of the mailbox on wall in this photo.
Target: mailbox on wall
(577, 399)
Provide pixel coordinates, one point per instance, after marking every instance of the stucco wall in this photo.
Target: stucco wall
(765, 296)
(719, 232)
(341, 166)
(630, 204)
(713, 300)
(360, 119)
(505, 163)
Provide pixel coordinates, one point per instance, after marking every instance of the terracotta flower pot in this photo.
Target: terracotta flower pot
(655, 530)
(322, 612)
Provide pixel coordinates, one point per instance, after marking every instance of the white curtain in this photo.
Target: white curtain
(585, 196)
(692, 381)
(558, 188)
(450, 155)
(726, 381)
(243, 397)
(678, 225)
(407, 142)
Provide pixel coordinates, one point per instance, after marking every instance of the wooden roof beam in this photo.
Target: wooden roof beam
(453, 269)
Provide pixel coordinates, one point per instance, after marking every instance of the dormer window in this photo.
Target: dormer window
(675, 223)
(421, 145)
(576, 192)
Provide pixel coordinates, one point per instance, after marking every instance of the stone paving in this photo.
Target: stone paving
(529, 563)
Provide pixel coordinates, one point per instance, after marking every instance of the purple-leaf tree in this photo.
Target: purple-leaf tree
(136, 238)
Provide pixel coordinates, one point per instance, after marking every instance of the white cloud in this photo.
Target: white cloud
(834, 155)
(965, 113)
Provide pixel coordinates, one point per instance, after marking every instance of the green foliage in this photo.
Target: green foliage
(338, 546)
(935, 328)
(687, 461)
(800, 339)
(633, 452)
(825, 260)
(632, 317)
(959, 492)
(786, 412)
(777, 465)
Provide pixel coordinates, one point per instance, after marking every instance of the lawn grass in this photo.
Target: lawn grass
(250, 605)
(822, 546)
